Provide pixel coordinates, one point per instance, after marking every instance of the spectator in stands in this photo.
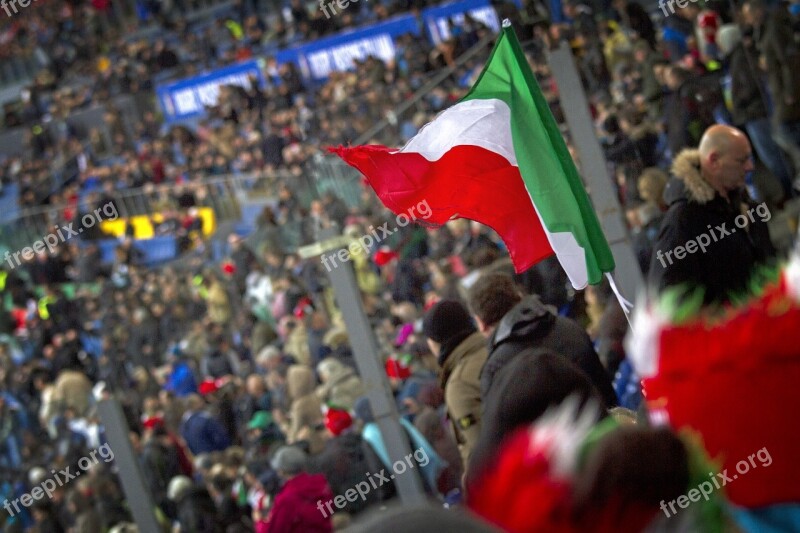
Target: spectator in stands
(296, 506)
(713, 178)
(550, 378)
(782, 55)
(305, 415)
(749, 110)
(341, 387)
(461, 353)
(201, 432)
(512, 324)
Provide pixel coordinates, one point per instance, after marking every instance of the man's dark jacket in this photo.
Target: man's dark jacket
(746, 95)
(727, 264)
(531, 324)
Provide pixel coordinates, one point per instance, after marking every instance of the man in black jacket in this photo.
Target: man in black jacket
(712, 236)
(513, 324)
(749, 109)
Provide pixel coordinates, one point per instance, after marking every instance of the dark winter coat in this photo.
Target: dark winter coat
(159, 465)
(197, 512)
(531, 324)
(203, 434)
(727, 264)
(781, 48)
(746, 96)
(343, 462)
(531, 383)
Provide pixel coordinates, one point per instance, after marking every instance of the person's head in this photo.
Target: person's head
(447, 324)
(194, 402)
(675, 76)
(269, 358)
(179, 486)
(608, 480)
(289, 461)
(329, 368)
(255, 385)
(651, 185)
(492, 296)
(725, 158)
(753, 13)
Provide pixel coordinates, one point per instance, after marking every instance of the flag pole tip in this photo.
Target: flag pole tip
(506, 23)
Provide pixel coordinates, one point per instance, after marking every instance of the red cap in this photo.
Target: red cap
(384, 256)
(397, 369)
(304, 306)
(337, 420)
(153, 422)
(229, 268)
(208, 386)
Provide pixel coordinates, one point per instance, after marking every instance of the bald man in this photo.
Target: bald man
(713, 235)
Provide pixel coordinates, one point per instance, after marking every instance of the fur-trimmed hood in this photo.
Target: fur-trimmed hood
(686, 168)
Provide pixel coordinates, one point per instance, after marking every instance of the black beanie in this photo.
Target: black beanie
(447, 320)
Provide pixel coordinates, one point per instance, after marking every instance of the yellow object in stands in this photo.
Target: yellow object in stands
(143, 224)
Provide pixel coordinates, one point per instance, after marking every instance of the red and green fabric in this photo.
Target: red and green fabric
(497, 157)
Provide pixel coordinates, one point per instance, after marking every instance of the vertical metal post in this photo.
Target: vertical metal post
(139, 499)
(593, 169)
(365, 350)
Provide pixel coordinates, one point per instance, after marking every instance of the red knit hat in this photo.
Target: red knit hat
(337, 420)
(733, 380)
(208, 386)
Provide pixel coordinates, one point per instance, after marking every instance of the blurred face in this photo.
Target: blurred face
(753, 16)
(434, 347)
(731, 166)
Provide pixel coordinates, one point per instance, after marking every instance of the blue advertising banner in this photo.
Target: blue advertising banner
(188, 98)
(440, 21)
(319, 58)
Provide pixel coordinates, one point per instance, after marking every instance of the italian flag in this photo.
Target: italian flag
(497, 157)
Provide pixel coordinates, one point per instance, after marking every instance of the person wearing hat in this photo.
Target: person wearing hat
(295, 508)
(344, 460)
(195, 510)
(341, 386)
(461, 353)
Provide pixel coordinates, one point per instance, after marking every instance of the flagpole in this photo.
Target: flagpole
(593, 169)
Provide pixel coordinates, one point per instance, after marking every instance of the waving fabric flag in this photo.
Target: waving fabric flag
(497, 157)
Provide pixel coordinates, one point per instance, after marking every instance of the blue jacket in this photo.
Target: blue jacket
(203, 434)
(181, 381)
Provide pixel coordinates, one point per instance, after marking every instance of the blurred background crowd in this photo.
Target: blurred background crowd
(233, 364)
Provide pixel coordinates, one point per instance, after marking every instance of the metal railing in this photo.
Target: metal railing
(19, 69)
(222, 194)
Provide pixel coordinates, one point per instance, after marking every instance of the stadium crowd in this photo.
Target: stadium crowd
(237, 378)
